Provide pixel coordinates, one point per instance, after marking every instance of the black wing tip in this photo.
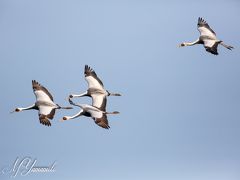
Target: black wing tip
(35, 84)
(106, 127)
(88, 68)
(46, 123)
(103, 123)
(215, 53)
(212, 51)
(88, 71)
(34, 81)
(44, 120)
(201, 21)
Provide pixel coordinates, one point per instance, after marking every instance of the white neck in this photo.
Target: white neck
(191, 43)
(79, 95)
(26, 108)
(74, 116)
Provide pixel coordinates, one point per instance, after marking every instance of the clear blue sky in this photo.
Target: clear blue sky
(180, 109)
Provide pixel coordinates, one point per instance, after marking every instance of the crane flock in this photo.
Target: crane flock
(99, 100)
(97, 110)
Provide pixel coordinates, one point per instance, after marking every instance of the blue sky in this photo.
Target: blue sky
(180, 106)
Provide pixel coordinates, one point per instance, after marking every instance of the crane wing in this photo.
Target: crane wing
(211, 46)
(41, 93)
(99, 101)
(95, 112)
(102, 122)
(92, 78)
(46, 113)
(209, 43)
(205, 29)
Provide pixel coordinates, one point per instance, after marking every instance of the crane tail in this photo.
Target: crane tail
(115, 94)
(66, 107)
(114, 112)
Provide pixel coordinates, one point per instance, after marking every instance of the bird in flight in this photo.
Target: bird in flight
(95, 89)
(99, 115)
(207, 37)
(44, 104)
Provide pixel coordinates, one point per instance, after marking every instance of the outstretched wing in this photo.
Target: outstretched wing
(41, 93)
(92, 78)
(97, 114)
(46, 113)
(102, 122)
(93, 111)
(99, 101)
(205, 29)
(211, 46)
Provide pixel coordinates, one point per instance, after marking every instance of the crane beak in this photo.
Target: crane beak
(61, 120)
(15, 110)
(181, 45)
(12, 112)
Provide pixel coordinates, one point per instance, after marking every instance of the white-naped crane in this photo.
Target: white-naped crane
(99, 115)
(44, 104)
(95, 89)
(207, 38)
